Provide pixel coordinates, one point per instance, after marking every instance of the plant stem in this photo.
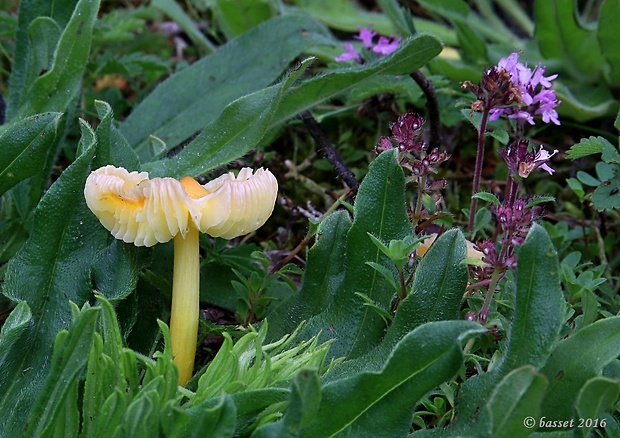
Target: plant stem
(185, 302)
(478, 167)
(432, 107)
(484, 312)
(418, 203)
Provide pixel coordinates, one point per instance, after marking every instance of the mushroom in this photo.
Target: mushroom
(146, 211)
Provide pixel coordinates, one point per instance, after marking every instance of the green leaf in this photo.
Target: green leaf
(487, 197)
(412, 54)
(321, 280)
(50, 269)
(16, 333)
(121, 259)
(534, 330)
(562, 36)
(576, 360)
(44, 34)
(53, 90)
(216, 421)
(190, 99)
(594, 398)
(71, 351)
(26, 145)
(174, 11)
(112, 148)
(379, 210)
(29, 11)
(607, 196)
(244, 122)
(608, 18)
(381, 403)
(303, 407)
(232, 23)
(588, 146)
(582, 101)
(516, 397)
(436, 295)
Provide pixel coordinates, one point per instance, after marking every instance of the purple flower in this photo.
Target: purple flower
(521, 161)
(350, 53)
(365, 36)
(407, 131)
(513, 90)
(386, 45)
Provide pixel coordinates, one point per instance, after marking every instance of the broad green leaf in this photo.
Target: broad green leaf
(53, 90)
(379, 210)
(576, 360)
(237, 130)
(174, 11)
(562, 36)
(609, 17)
(190, 99)
(243, 123)
(51, 269)
(71, 351)
(232, 23)
(438, 287)
(123, 260)
(380, 404)
(30, 10)
(26, 145)
(436, 295)
(515, 398)
(594, 398)
(322, 279)
(344, 15)
(582, 101)
(536, 321)
(606, 196)
(412, 54)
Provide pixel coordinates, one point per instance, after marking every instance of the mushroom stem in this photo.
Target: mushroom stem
(185, 302)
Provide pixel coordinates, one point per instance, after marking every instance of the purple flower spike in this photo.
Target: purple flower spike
(365, 36)
(349, 54)
(513, 90)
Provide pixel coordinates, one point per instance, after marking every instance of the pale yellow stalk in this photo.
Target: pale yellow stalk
(185, 302)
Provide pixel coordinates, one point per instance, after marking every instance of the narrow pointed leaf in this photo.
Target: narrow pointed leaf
(57, 87)
(50, 270)
(576, 360)
(71, 351)
(321, 281)
(537, 318)
(594, 398)
(380, 404)
(190, 99)
(25, 147)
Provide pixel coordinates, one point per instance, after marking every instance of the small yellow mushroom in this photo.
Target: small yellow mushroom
(146, 211)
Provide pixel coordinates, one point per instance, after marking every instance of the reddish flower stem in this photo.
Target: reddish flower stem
(478, 167)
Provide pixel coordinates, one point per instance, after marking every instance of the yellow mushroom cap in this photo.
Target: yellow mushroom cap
(146, 211)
